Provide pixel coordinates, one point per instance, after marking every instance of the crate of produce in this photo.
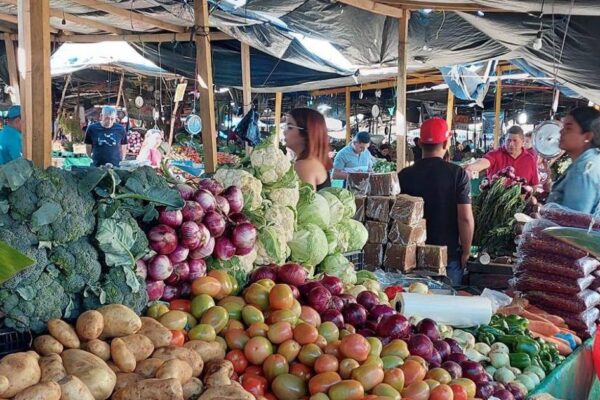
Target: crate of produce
(357, 258)
(12, 341)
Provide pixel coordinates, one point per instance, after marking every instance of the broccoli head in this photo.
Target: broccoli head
(120, 286)
(78, 265)
(147, 176)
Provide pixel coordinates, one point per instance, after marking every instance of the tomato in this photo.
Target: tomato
(225, 281)
(191, 321)
(258, 349)
(258, 329)
(216, 316)
(319, 396)
(280, 332)
(177, 338)
(322, 382)
(310, 316)
(418, 359)
(301, 371)
(326, 363)
(221, 342)
(270, 396)
(267, 283)
(251, 314)
(305, 333)
(346, 367)
(289, 387)
(396, 347)
(355, 346)
(236, 339)
(234, 310)
(395, 378)
(459, 392)
(383, 389)
(441, 392)
(181, 305)
(350, 328)
(333, 348)
(321, 342)
(203, 332)
(417, 391)
(283, 316)
(281, 297)
(200, 304)
(232, 299)
(296, 308)
(238, 359)
(431, 383)
(413, 372)
(254, 369)
(275, 365)
(347, 390)
(254, 384)
(392, 291)
(391, 361)
(369, 376)
(174, 320)
(468, 384)
(206, 285)
(440, 375)
(258, 296)
(376, 346)
(309, 354)
(329, 331)
(233, 324)
(156, 310)
(289, 349)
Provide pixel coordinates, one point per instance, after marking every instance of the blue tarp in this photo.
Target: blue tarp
(533, 71)
(469, 82)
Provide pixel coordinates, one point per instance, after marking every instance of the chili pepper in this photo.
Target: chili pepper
(526, 345)
(487, 338)
(519, 360)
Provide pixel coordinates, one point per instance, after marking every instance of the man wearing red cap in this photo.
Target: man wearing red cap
(446, 190)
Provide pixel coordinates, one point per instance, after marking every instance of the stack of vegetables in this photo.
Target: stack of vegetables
(293, 221)
(82, 232)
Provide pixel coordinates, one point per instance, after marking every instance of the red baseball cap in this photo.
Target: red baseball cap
(434, 131)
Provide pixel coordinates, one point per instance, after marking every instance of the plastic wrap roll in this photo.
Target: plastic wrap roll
(457, 311)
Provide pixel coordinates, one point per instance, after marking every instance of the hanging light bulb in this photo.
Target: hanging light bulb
(360, 95)
(522, 118)
(537, 43)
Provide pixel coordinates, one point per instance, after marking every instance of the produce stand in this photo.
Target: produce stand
(492, 275)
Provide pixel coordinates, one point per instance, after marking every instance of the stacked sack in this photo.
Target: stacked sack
(556, 277)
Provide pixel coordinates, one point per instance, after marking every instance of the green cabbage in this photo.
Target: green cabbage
(313, 208)
(309, 245)
(338, 265)
(336, 208)
(354, 233)
(331, 235)
(346, 197)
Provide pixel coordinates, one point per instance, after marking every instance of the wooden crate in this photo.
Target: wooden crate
(492, 276)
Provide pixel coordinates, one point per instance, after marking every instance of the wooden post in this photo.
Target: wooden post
(13, 73)
(450, 110)
(36, 107)
(278, 103)
(120, 90)
(246, 78)
(498, 107)
(348, 108)
(401, 91)
(205, 85)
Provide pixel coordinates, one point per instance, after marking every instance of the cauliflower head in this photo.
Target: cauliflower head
(250, 186)
(287, 197)
(271, 246)
(270, 163)
(284, 217)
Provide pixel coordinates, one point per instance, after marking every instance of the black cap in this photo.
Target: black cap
(363, 137)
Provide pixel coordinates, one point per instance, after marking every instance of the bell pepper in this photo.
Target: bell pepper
(392, 291)
(548, 366)
(509, 340)
(526, 345)
(487, 338)
(499, 322)
(516, 323)
(519, 360)
(491, 330)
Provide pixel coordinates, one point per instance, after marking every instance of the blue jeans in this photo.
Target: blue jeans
(455, 272)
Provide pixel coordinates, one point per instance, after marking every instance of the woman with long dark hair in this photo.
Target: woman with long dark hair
(579, 187)
(306, 135)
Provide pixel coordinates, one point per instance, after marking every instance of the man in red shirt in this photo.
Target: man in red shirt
(512, 154)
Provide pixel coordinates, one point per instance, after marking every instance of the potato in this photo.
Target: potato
(90, 325)
(21, 370)
(147, 368)
(177, 369)
(218, 373)
(41, 391)
(98, 348)
(192, 388)
(46, 345)
(151, 389)
(156, 332)
(113, 367)
(208, 351)
(119, 321)
(187, 355)
(64, 333)
(125, 379)
(4, 383)
(33, 354)
(230, 392)
(140, 346)
(92, 371)
(121, 356)
(72, 388)
(52, 368)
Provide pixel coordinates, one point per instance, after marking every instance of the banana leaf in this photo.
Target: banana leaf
(581, 238)
(12, 262)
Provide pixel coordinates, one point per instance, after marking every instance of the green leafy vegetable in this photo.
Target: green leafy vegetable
(338, 265)
(346, 197)
(12, 261)
(313, 208)
(309, 245)
(352, 235)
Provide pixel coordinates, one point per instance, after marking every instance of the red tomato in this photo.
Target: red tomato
(253, 370)
(177, 338)
(181, 305)
(270, 396)
(238, 359)
(254, 384)
(460, 393)
(392, 291)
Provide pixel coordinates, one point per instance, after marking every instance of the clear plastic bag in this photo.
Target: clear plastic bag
(377, 232)
(553, 264)
(530, 280)
(358, 183)
(406, 234)
(533, 243)
(361, 202)
(400, 258)
(583, 323)
(567, 303)
(566, 217)
(384, 184)
(407, 209)
(378, 208)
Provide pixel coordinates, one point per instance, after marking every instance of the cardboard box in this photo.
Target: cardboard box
(378, 208)
(384, 184)
(373, 256)
(400, 258)
(408, 234)
(407, 209)
(358, 183)
(361, 202)
(377, 231)
(432, 258)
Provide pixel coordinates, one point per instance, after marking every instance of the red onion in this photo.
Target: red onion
(172, 280)
(197, 269)
(170, 218)
(215, 223)
(203, 251)
(190, 234)
(367, 299)
(429, 328)
(319, 298)
(239, 218)
(185, 289)
(211, 185)
(337, 303)
(162, 239)
(354, 314)
(334, 316)
(155, 289)
(333, 284)
(453, 369)
(185, 191)
(223, 205)
(244, 236)
(179, 254)
(235, 197)
(141, 269)
(192, 211)
(347, 298)
(264, 272)
(159, 267)
(379, 311)
(243, 251)
(170, 293)
(224, 249)
(292, 274)
(181, 272)
(420, 345)
(395, 325)
(295, 292)
(206, 200)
